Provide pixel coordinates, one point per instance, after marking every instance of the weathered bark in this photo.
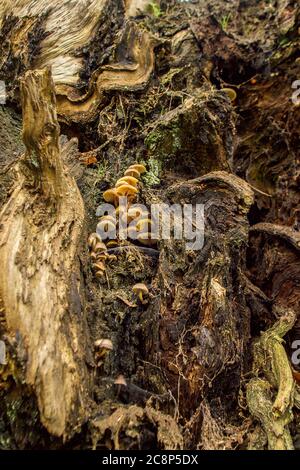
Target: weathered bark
(207, 360)
(41, 228)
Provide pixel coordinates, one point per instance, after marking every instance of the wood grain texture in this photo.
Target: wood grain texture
(41, 226)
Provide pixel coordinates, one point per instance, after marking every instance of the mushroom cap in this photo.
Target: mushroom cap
(110, 195)
(132, 172)
(100, 247)
(112, 258)
(104, 343)
(99, 274)
(93, 239)
(145, 239)
(101, 257)
(139, 167)
(120, 380)
(231, 93)
(126, 190)
(99, 266)
(140, 288)
(128, 179)
(120, 183)
(112, 244)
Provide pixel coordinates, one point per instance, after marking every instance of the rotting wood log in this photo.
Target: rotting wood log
(41, 229)
(200, 319)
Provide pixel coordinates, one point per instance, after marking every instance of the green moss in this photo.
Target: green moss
(152, 177)
(164, 141)
(13, 409)
(154, 9)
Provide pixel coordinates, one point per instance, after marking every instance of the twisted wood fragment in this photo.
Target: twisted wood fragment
(40, 230)
(271, 399)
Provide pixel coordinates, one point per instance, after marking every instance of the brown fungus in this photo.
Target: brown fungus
(141, 290)
(127, 179)
(94, 238)
(132, 172)
(110, 195)
(138, 167)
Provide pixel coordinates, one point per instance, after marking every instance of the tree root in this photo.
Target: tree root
(270, 358)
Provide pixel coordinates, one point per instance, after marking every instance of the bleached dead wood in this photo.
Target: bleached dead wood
(40, 230)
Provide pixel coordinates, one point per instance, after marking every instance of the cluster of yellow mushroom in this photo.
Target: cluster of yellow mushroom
(127, 186)
(99, 254)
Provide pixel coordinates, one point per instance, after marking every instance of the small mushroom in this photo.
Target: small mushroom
(141, 290)
(138, 167)
(94, 238)
(120, 183)
(99, 252)
(231, 93)
(127, 179)
(120, 380)
(126, 190)
(104, 344)
(111, 196)
(100, 248)
(99, 266)
(112, 258)
(132, 172)
(101, 257)
(112, 244)
(99, 274)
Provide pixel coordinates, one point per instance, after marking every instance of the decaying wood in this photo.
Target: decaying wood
(41, 228)
(271, 359)
(62, 39)
(67, 26)
(204, 320)
(132, 70)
